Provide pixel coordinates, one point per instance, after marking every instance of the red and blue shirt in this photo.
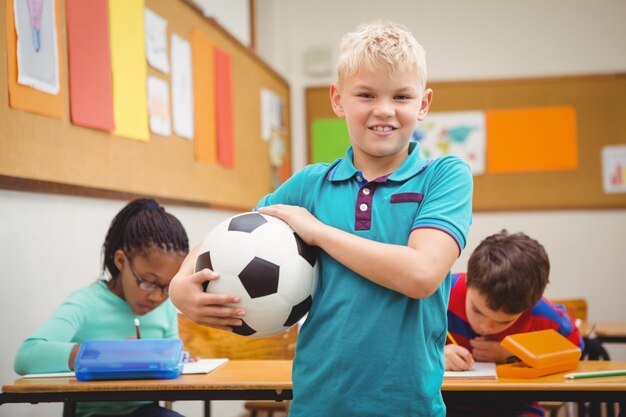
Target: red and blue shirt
(542, 316)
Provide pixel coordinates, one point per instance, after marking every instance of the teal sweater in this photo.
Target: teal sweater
(93, 312)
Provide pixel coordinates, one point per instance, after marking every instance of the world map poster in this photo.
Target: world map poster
(454, 133)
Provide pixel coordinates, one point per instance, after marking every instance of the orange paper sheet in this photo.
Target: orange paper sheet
(91, 90)
(224, 108)
(26, 98)
(531, 140)
(202, 57)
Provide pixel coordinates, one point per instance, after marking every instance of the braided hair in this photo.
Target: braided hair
(140, 224)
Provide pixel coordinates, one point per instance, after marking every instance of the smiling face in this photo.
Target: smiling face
(382, 109)
(483, 320)
(153, 265)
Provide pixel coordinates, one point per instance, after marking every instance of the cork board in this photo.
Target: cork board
(600, 105)
(53, 155)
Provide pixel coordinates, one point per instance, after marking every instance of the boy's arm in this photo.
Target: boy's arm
(486, 349)
(187, 294)
(415, 270)
(564, 324)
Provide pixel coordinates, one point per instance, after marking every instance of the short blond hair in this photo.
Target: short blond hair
(381, 43)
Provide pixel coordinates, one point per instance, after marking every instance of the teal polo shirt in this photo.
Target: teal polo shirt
(366, 350)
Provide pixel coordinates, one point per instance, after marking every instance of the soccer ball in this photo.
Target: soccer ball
(261, 259)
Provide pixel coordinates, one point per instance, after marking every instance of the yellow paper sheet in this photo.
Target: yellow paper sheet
(128, 61)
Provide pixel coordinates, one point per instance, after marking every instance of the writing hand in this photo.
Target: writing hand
(457, 358)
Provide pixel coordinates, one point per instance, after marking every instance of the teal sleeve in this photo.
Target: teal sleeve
(48, 348)
(298, 189)
(448, 201)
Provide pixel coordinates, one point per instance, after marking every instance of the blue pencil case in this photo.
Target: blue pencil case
(129, 359)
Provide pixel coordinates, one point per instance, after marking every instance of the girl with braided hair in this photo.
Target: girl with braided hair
(143, 249)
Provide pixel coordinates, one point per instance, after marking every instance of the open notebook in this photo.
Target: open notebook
(480, 370)
(201, 366)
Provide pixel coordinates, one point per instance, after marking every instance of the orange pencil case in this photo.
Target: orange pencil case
(543, 352)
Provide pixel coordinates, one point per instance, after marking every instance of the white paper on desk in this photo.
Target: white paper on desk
(203, 366)
(480, 370)
(49, 375)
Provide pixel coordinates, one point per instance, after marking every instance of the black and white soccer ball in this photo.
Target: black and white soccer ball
(261, 259)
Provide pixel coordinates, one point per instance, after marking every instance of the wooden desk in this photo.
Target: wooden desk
(611, 331)
(271, 380)
(548, 388)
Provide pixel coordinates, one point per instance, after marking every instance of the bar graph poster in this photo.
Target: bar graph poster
(614, 169)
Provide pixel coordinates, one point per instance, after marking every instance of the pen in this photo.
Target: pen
(137, 330)
(452, 338)
(597, 374)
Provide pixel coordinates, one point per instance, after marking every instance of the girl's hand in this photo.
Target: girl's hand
(457, 358)
(72, 358)
(301, 221)
(187, 294)
(486, 349)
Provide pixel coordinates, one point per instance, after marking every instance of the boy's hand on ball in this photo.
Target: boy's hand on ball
(208, 309)
(307, 226)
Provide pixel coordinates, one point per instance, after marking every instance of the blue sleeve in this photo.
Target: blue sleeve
(447, 203)
(554, 316)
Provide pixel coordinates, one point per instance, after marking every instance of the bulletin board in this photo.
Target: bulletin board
(600, 106)
(47, 154)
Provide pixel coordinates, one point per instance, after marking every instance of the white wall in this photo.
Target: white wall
(232, 15)
(50, 244)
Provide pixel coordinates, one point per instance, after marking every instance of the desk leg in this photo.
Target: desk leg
(69, 409)
(207, 408)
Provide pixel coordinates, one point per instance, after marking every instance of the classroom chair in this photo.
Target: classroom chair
(206, 342)
(594, 350)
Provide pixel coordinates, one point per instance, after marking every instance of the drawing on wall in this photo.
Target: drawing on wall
(182, 87)
(454, 133)
(159, 106)
(37, 53)
(155, 29)
(614, 169)
(271, 113)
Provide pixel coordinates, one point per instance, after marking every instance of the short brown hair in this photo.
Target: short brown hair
(510, 270)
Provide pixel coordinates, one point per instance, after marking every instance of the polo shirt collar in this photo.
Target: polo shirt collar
(413, 164)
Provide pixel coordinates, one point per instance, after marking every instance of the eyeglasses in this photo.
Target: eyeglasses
(147, 285)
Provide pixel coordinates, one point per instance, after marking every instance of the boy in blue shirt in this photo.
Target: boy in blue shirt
(389, 225)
